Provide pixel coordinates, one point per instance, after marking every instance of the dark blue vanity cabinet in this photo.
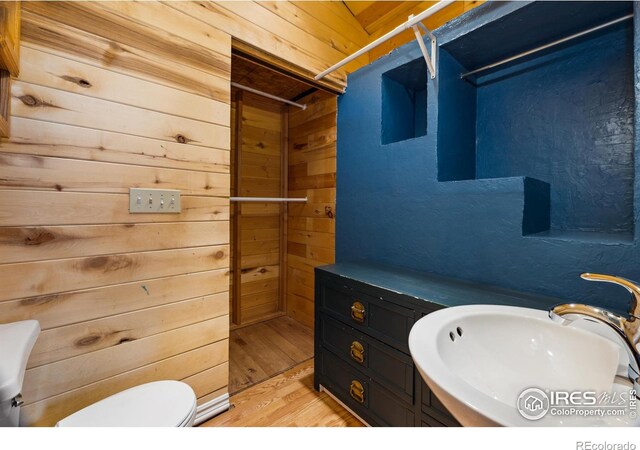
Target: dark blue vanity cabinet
(362, 354)
(363, 315)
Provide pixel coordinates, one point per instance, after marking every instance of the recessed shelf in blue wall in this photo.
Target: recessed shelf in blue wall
(564, 117)
(404, 102)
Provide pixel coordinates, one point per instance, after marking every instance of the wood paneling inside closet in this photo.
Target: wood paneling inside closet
(258, 148)
(312, 173)
(282, 151)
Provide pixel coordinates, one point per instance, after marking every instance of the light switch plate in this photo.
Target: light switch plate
(154, 201)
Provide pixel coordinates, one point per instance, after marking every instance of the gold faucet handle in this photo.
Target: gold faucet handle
(633, 288)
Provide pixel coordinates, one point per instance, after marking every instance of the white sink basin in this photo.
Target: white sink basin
(478, 360)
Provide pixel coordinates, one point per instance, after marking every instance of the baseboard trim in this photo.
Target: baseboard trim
(212, 408)
(328, 392)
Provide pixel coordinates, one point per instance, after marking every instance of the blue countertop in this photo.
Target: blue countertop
(436, 289)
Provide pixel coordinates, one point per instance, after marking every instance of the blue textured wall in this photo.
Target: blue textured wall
(457, 105)
(392, 208)
(567, 119)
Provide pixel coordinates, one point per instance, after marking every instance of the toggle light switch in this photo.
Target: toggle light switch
(155, 202)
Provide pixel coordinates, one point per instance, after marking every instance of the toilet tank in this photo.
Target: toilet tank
(16, 342)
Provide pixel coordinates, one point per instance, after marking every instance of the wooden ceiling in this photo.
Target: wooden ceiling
(380, 17)
(256, 76)
(374, 16)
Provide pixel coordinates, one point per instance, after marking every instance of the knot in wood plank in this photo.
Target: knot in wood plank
(29, 100)
(77, 80)
(39, 237)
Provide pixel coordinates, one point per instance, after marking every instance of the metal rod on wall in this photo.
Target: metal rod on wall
(546, 46)
(264, 94)
(397, 30)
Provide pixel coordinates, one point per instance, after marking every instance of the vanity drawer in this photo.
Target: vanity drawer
(389, 367)
(433, 406)
(364, 396)
(383, 320)
(428, 421)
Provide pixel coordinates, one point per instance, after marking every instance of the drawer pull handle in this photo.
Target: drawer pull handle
(357, 391)
(357, 311)
(357, 351)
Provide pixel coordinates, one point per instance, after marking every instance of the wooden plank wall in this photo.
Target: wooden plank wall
(233, 231)
(312, 173)
(122, 299)
(310, 35)
(258, 240)
(131, 94)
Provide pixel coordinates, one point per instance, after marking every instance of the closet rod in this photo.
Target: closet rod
(267, 199)
(264, 94)
(414, 20)
(545, 46)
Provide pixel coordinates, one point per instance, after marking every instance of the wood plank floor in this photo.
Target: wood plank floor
(261, 351)
(287, 400)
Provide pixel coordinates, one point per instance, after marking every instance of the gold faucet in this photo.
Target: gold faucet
(634, 289)
(626, 328)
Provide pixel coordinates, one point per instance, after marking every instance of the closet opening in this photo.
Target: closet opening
(278, 151)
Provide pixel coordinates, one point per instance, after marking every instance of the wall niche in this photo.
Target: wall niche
(564, 116)
(404, 102)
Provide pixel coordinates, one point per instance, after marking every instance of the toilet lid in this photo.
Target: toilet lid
(157, 404)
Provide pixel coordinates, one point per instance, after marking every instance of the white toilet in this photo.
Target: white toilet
(158, 404)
